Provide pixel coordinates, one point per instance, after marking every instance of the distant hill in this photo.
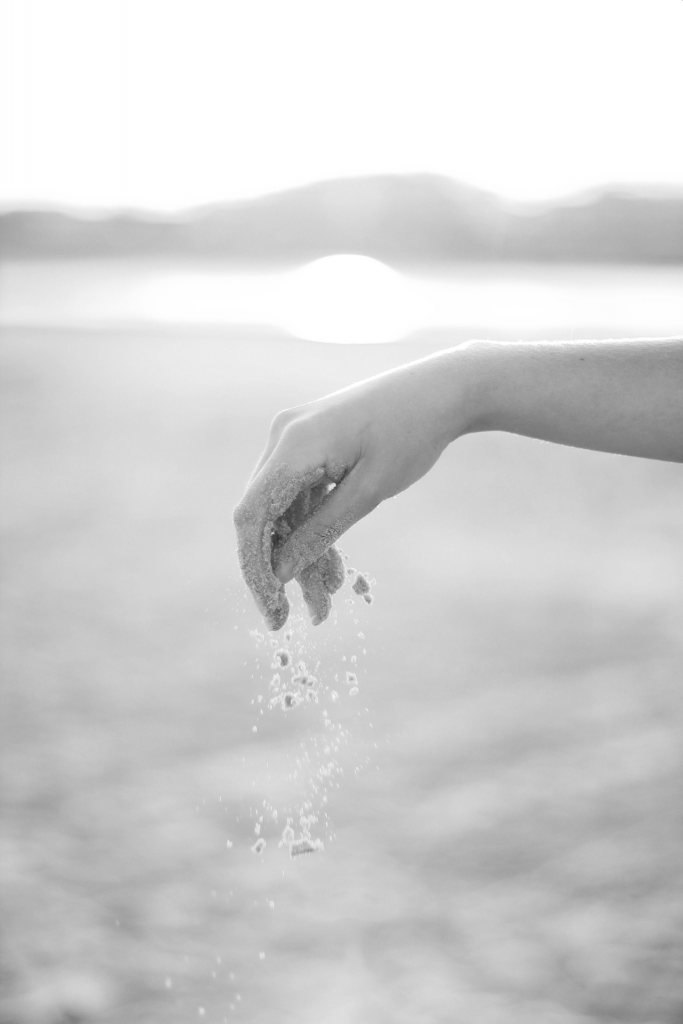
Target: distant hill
(401, 219)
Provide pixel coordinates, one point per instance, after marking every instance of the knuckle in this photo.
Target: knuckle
(239, 515)
(318, 538)
(321, 535)
(281, 420)
(244, 515)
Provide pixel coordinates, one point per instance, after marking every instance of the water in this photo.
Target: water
(346, 299)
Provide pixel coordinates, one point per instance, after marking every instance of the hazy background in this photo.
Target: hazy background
(212, 211)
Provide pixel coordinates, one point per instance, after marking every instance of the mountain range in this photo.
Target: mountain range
(400, 219)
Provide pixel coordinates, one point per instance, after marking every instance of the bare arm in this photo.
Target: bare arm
(612, 396)
(376, 438)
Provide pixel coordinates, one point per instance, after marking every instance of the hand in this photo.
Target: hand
(331, 462)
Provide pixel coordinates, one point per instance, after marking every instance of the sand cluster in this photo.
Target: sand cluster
(361, 586)
(302, 687)
(304, 843)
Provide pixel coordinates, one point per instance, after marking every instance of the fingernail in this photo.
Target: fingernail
(285, 572)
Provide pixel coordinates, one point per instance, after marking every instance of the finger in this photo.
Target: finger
(315, 593)
(323, 577)
(319, 581)
(350, 501)
(332, 569)
(267, 498)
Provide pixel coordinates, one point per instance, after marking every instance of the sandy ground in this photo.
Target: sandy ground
(504, 819)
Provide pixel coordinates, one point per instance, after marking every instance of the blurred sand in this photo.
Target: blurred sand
(512, 851)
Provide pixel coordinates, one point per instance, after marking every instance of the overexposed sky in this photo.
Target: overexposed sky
(171, 103)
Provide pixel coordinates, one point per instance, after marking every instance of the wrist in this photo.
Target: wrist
(469, 372)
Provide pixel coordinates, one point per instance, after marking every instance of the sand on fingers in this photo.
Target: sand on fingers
(276, 504)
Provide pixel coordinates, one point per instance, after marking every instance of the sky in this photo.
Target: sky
(168, 104)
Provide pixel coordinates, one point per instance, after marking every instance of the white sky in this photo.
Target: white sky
(170, 103)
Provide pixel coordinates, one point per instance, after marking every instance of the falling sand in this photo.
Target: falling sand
(267, 529)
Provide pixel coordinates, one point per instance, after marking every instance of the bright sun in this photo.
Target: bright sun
(346, 299)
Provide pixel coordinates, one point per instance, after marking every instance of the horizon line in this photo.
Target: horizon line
(640, 189)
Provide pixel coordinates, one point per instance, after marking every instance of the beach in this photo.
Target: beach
(502, 842)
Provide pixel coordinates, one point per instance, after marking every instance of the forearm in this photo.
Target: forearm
(614, 396)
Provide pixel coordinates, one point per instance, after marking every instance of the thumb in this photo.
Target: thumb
(349, 501)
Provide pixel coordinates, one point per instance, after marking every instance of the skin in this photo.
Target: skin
(374, 439)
